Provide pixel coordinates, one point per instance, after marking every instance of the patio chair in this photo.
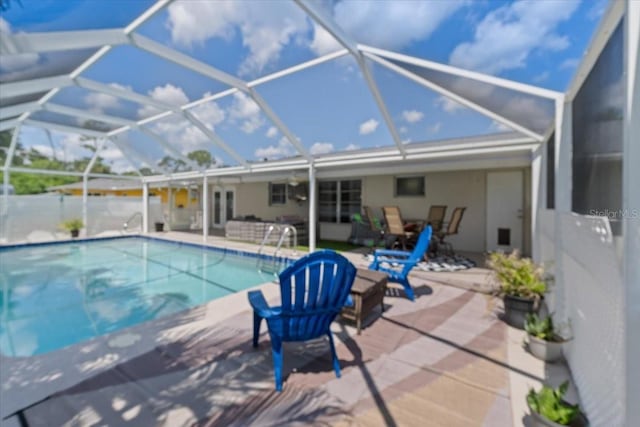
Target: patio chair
(452, 228)
(404, 259)
(436, 217)
(396, 232)
(313, 291)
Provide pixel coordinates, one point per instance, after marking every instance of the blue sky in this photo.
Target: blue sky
(328, 107)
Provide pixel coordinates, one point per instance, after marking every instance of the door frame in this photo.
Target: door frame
(525, 213)
(222, 189)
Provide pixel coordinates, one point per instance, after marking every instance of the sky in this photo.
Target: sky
(328, 107)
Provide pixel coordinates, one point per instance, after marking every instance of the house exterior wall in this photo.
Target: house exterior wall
(253, 199)
(181, 195)
(455, 188)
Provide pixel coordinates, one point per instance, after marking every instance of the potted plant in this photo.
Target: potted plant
(548, 408)
(521, 285)
(159, 226)
(73, 226)
(544, 342)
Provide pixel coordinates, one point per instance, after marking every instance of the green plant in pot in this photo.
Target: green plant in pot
(520, 283)
(73, 226)
(544, 341)
(548, 408)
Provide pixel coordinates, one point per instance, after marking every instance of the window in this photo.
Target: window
(338, 200)
(598, 113)
(410, 186)
(277, 194)
(551, 171)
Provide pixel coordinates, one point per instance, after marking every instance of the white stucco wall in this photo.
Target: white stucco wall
(253, 199)
(456, 188)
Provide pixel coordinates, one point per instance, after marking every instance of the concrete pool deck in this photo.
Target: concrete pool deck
(444, 360)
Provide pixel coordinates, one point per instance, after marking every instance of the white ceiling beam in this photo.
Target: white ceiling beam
(457, 98)
(474, 75)
(170, 148)
(12, 146)
(9, 124)
(65, 128)
(328, 24)
(343, 38)
(186, 61)
(312, 63)
(18, 109)
(129, 153)
(382, 106)
(27, 87)
(214, 137)
(123, 93)
(87, 114)
(146, 15)
(20, 43)
(94, 158)
(147, 100)
(266, 109)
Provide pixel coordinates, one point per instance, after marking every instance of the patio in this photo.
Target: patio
(446, 359)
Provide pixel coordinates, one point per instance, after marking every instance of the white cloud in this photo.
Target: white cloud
(569, 63)
(500, 127)
(412, 116)
(505, 37)
(352, 147)
(447, 104)
(179, 131)
(265, 27)
(541, 77)
(17, 62)
(272, 132)
(244, 110)
(283, 149)
(435, 128)
(321, 148)
(403, 129)
(323, 42)
(101, 101)
(168, 93)
(366, 22)
(369, 126)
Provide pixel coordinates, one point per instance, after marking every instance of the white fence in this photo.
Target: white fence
(590, 296)
(38, 217)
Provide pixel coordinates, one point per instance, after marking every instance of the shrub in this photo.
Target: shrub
(548, 403)
(516, 276)
(72, 224)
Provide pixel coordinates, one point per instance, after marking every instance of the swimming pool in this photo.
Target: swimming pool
(55, 295)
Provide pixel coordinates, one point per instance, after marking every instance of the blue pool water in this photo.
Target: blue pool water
(52, 296)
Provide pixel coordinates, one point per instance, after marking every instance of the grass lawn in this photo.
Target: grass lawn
(333, 245)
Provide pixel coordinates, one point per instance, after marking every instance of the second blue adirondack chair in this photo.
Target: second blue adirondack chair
(405, 260)
(313, 290)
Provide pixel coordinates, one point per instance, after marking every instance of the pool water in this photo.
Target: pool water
(52, 296)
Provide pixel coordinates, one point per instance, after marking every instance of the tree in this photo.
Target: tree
(174, 165)
(202, 158)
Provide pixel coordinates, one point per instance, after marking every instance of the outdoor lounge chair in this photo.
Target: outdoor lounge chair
(313, 290)
(436, 217)
(396, 232)
(405, 261)
(452, 228)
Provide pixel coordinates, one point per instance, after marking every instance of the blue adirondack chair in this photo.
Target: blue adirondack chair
(313, 290)
(405, 260)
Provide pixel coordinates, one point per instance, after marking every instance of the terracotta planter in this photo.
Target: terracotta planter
(549, 351)
(516, 310)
